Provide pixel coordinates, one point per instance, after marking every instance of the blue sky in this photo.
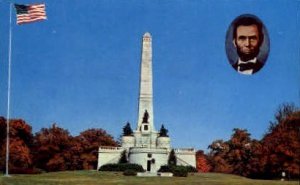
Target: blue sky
(80, 68)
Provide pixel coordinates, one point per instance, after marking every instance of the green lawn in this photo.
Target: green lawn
(107, 178)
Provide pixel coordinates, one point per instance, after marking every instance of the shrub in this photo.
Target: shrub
(191, 169)
(180, 171)
(129, 173)
(165, 168)
(121, 167)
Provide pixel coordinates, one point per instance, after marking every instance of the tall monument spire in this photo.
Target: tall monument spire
(146, 146)
(145, 116)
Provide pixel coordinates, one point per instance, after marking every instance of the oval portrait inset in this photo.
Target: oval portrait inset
(247, 44)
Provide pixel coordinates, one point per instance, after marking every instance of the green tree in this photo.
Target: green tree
(123, 158)
(172, 158)
(127, 131)
(163, 132)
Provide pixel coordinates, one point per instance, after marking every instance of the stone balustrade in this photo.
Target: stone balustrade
(111, 148)
(179, 150)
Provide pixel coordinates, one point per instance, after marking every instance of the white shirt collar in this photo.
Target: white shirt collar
(254, 60)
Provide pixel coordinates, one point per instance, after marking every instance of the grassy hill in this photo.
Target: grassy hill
(108, 178)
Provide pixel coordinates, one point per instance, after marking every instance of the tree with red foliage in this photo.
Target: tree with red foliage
(74, 154)
(2, 142)
(232, 156)
(21, 139)
(239, 152)
(217, 157)
(257, 160)
(57, 150)
(90, 140)
(51, 146)
(277, 152)
(282, 144)
(202, 164)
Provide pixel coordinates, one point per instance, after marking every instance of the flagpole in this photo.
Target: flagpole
(8, 91)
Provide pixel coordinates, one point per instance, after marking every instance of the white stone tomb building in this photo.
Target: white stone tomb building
(145, 146)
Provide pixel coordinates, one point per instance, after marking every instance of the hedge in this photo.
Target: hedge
(191, 169)
(178, 171)
(130, 173)
(121, 167)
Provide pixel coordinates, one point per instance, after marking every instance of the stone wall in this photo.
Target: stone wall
(108, 155)
(142, 156)
(186, 156)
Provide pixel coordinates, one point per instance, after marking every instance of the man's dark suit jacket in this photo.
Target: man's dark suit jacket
(256, 67)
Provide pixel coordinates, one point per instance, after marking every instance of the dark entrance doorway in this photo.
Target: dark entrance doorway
(149, 165)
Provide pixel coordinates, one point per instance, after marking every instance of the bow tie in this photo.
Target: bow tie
(246, 66)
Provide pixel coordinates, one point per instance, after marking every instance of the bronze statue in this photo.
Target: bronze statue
(146, 117)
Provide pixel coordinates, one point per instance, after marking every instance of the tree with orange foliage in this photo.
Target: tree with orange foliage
(202, 164)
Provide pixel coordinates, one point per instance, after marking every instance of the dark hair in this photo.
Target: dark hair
(247, 20)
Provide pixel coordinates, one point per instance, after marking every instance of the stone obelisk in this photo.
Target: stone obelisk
(145, 112)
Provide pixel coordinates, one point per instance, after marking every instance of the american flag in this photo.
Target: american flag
(30, 13)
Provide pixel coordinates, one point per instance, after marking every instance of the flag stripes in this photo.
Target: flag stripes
(30, 13)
